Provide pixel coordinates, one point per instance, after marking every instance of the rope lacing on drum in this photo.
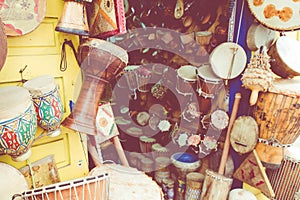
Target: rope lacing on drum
(273, 142)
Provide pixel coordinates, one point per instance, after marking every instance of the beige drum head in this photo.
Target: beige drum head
(241, 194)
(289, 87)
(11, 182)
(244, 134)
(205, 72)
(259, 35)
(40, 85)
(187, 72)
(277, 15)
(17, 100)
(228, 60)
(219, 119)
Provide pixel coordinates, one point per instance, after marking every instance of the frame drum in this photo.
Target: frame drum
(285, 180)
(18, 122)
(11, 181)
(277, 114)
(186, 78)
(47, 102)
(228, 60)
(284, 54)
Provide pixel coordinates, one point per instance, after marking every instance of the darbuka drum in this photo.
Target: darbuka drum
(129, 183)
(285, 180)
(18, 122)
(208, 84)
(186, 79)
(87, 188)
(101, 62)
(47, 103)
(11, 181)
(285, 57)
(277, 114)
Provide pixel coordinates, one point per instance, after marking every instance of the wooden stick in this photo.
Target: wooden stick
(225, 152)
(120, 151)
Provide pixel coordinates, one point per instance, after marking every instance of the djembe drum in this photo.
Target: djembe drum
(101, 62)
(87, 188)
(285, 180)
(277, 114)
(47, 103)
(18, 122)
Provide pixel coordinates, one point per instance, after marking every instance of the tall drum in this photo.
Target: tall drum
(18, 122)
(47, 103)
(285, 180)
(277, 114)
(186, 80)
(101, 62)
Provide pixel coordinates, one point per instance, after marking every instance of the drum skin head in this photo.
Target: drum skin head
(244, 134)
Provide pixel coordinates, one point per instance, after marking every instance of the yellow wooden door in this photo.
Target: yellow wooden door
(40, 51)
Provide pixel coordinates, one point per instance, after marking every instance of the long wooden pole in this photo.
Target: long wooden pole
(233, 115)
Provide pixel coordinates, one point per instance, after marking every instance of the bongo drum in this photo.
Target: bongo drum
(47, 103)
(208, 84)
(11, 181)
(186, 79)
(93, 187)
(285, 180)
(215, 186)
(18, 122)
(101, 62)
(284, 57)
(129, 183)
(277, 114)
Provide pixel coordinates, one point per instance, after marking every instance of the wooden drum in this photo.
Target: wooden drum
(101, 62)
(129, 183)
(47, 103)
(284, 54)
(186, 80)
(87, 188)
(277, 114)
(18, 122)
(285, 180)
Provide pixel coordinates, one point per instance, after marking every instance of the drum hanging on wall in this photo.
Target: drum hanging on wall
(18, 122)
(277, 15)
(22, 17)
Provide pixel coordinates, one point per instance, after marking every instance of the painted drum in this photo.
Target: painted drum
(47, 103)
(18, 122)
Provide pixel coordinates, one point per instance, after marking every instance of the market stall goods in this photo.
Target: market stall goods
(18, 122)
(285, 180)
(186, 80)
(93, 187)
(101, 62)
(129, 183)
(277, 114)
(47, 103)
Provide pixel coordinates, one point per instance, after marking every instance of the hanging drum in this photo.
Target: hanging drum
(284, 54)
(277, 114)
(22, 17)
(101, 62)
(47, 102)
(277, 15)
(3, 45)
(228, 60)
(18, 122)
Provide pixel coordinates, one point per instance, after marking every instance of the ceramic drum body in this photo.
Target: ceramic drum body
(285, 180)
(47, 102)
(277, 114)
(18, 122)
